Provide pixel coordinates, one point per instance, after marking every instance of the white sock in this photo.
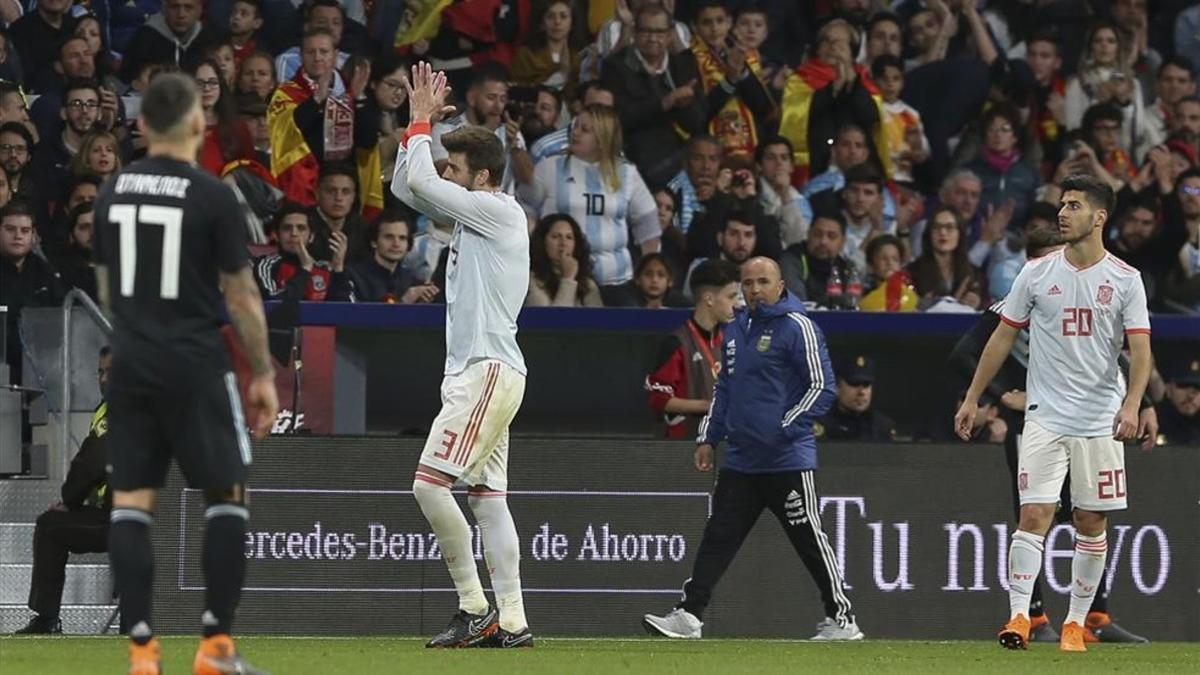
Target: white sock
(1087, 568)
(502, 549)
(1024, 564)
(454, 538)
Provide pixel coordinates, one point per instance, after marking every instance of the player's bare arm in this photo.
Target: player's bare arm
(246, 313)
(994, 354)
(1127, 426)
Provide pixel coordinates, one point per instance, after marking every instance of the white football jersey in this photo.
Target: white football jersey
(487, 272)
(1077, 321)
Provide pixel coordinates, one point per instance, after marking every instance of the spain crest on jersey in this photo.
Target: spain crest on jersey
(1104, 295)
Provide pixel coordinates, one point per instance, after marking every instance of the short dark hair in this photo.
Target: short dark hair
(884, 61)
(850, 126)
(702, 5)
(879, 242)
(652, 8)
(167, 102)
(64, 42)
(482, 149)
(1042, 211)
(1099, 112)
(314, 32)
(80, 83)
(106, 350)
(288, 209)
(488, 72)
(1179, 61)
(256, 4)
(1048, 34)
(553, 93)
(830, 214)
(697, 139)
(22, 131)
(882, 16)
(1099, 195)
(864, 173)
(388, 216)
(737, 216)
(75, 214)
(17, 207)
(582, 92)
(773, 140)
(329, 169)
(713, 273)
(323, 3)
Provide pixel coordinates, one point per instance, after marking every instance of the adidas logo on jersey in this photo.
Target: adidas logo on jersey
(1055, 290)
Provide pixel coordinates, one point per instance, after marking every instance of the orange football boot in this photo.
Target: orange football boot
(1072, 638)
(1016, 633)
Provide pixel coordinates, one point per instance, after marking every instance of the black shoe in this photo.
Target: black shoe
(1043, 632)
(467, 630)
(1111, 632)
(503, 639)
(41, 625)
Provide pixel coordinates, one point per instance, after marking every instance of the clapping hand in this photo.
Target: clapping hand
(338, 245)
(427, 93)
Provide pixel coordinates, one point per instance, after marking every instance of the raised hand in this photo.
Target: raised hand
(426, 93)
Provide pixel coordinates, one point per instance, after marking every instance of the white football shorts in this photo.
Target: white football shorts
(1096, 465)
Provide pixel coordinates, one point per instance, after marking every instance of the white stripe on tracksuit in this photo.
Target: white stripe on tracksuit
(836, 585)
(812, 355)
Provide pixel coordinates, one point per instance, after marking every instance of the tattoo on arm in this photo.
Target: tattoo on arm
(246, 313)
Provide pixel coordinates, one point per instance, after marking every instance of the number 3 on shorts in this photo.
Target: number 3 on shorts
(449, 438)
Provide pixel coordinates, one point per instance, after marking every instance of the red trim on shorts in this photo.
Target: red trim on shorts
(432, 479)
(477, 415)
(1138, 331)
(1014, 324)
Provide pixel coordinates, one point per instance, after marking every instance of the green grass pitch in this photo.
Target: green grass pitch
(285, 656)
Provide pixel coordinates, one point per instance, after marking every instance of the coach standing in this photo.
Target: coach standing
(775, 380)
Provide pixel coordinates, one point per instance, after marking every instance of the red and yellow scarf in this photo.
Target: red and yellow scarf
(734, 124)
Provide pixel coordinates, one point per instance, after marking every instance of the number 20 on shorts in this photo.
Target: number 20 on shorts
(1112, 484)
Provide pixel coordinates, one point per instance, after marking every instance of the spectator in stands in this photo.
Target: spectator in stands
(301, 143)
(1046, 100)
(621, 30)
(50, 166)
(621, 209)
(256, 75)
(696, 184)
(1187, 37)
(751, 29)
(1144, 59)
(851, 147)
(1105, 75)
(78, 523)
(681, 386)
(884, 37)
(1099, 151)
(961, 190)
(5, 192)
(88, 27)
(16, 144)
(541, 116)
(1179, 420)
(560, 265)
(379, 276)
(77, 263)
(779, 200)
(226, 139)
(556, 142)
(1008, 254)
(252, 113)
(121, 21)
(326, 15)
(13, 107)
(292, 272)
(74, 62)
(673, 246)
(174, 35)
(658, 95)
(826, 93)
(929, 31)
(99, 155)
(943, 268)
(815, 270)
(852, 417)
(862, 206)
(221, 54)
(987, 427)
(1175, 82)
(901, 122)
(885, 257)
(654, 280)
(334, 211)
(1183, 218)
(736, 242)
(737, 190)
(386, 102)
(730, 79)
(1004, 173)
(427, 250)
(549, 58)
(37, 36)
(26, 279)
(245, 19)
(486, 99)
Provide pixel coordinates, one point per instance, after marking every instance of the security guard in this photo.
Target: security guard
(77, 524)
(1179, 422)
(852, 418)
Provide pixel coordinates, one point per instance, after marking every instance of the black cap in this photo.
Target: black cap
(1186, 372)
(251, 105)
(857, 370)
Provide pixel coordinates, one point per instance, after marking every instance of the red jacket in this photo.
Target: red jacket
(687, 369)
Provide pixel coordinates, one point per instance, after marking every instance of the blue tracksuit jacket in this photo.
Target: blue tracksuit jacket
(775, 380)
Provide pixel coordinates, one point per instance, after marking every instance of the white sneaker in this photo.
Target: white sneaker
(678, 623)
(829, 630)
